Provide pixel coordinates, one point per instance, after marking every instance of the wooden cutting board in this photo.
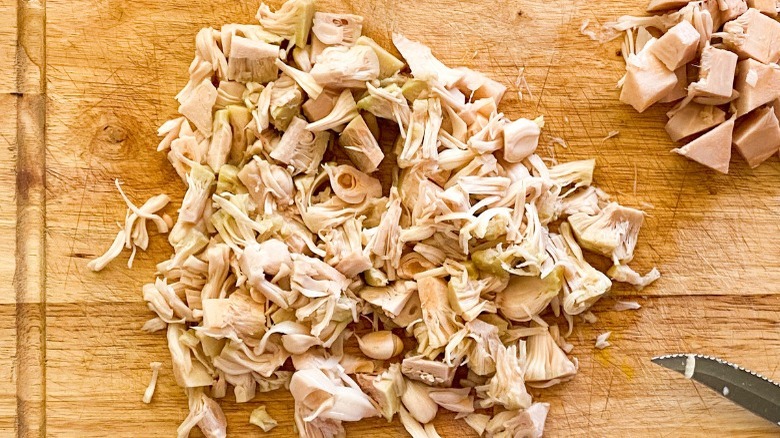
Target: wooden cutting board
(85, 84)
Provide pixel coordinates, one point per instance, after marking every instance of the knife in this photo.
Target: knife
(752, 391)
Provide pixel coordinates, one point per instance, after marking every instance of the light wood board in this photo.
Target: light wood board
(107, 71)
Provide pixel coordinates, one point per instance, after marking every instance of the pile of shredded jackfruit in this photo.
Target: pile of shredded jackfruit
(294, 265)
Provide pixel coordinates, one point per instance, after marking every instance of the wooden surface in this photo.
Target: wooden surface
(111, 70)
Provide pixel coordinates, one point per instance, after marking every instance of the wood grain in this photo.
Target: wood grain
(8, 32)
(30, 194)
(8, 145)
(8, 267)
(112, 68)
(8, 101)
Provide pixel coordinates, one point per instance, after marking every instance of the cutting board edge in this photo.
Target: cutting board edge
(30, 190)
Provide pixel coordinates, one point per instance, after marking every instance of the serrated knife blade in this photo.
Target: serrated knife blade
(750, 390)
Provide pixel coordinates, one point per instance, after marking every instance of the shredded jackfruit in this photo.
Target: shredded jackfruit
(261, 419)
(297, 244)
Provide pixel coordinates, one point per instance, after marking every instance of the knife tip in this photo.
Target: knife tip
(674, 361)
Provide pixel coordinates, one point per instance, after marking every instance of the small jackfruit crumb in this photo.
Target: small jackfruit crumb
(261, 419)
